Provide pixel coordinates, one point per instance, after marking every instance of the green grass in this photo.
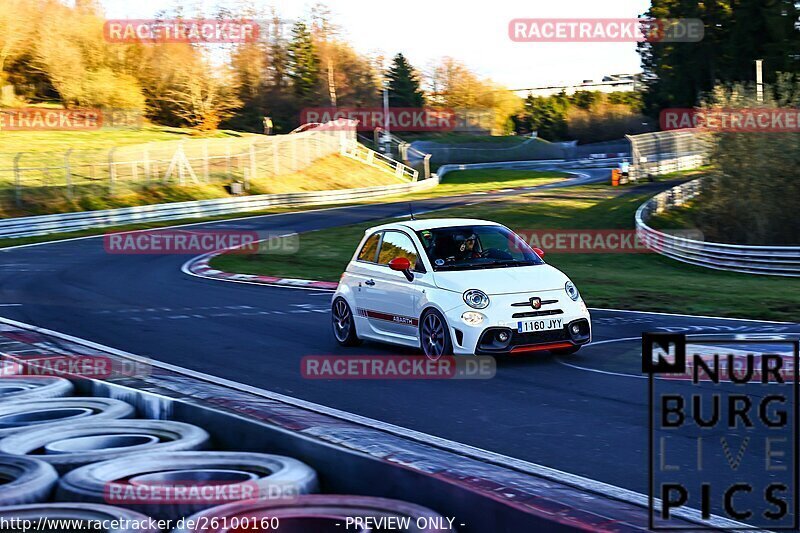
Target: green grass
(470, 181)
(643, 281)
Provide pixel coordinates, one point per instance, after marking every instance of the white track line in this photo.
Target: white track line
(579, 482)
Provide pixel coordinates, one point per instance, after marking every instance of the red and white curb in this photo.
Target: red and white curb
(199, 267)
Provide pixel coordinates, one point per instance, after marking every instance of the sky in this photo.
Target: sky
(473, 32)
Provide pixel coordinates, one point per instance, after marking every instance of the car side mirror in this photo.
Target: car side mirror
(402, 264)
(539, 252)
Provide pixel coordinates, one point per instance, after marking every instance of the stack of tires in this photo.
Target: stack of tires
(90, 459)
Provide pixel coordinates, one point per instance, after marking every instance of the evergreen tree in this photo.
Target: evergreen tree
(404, 86)
(304, 67)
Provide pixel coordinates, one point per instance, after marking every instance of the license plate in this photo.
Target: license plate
(547, 324)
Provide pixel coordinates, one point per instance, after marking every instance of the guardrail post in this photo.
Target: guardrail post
(17, 179)
(111, 171)
(68, 173)
(402, 150)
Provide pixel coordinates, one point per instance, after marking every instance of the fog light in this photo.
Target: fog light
(576, 329)
(502, 336)
(471, 318)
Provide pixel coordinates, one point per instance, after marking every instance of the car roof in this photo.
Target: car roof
(433, 223)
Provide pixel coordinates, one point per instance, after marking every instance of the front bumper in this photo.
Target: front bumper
(498, 333)
(574, 333)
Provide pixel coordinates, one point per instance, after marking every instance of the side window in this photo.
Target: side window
(370, 248)
(396, 244)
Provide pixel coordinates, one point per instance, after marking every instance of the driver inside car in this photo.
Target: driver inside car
(469, 248)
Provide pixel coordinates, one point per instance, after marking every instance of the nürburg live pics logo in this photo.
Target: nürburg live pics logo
(723, 446)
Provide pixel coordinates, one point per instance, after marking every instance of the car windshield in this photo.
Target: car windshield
(475, 247)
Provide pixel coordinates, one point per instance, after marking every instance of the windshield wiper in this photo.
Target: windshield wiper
(458, 267)
(512, 262)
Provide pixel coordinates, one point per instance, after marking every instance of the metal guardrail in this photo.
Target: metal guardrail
(67, 222)
(766, 260)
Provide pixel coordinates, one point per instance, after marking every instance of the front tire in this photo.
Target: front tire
(434, 335)
(344, 325)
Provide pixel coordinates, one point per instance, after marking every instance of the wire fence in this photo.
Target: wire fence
(236, 161)
(668, 151)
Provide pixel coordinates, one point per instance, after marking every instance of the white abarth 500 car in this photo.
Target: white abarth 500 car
(457, 286)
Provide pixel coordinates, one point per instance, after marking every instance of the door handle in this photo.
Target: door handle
(369, 282)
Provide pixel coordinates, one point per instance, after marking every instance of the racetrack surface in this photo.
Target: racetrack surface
(579, 414)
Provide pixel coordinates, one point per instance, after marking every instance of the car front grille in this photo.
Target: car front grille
(527, 303)
(529, 314)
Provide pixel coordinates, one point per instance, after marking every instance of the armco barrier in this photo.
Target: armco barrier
(66, 222)
(768, 260)
(483, 491)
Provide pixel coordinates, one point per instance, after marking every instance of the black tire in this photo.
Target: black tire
(343, 323)
(113, 439)
(260, 475)
(566, 351)
(15, 388)
(53, 413)
(434, 335)
(28, 480)
(125, 520)
(321, 513)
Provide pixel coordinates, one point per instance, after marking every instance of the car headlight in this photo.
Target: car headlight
(472, 318)
(572, 290)
(476, 299)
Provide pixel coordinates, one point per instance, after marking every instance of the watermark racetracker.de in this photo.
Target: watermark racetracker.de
(605, 30)
(190, 31)
(395, 118)
(397, 367)
(47, 119)
(147, 490)
(79, 119)
(196, 242)
(732, 120)
(584, 241)
(73, 367)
